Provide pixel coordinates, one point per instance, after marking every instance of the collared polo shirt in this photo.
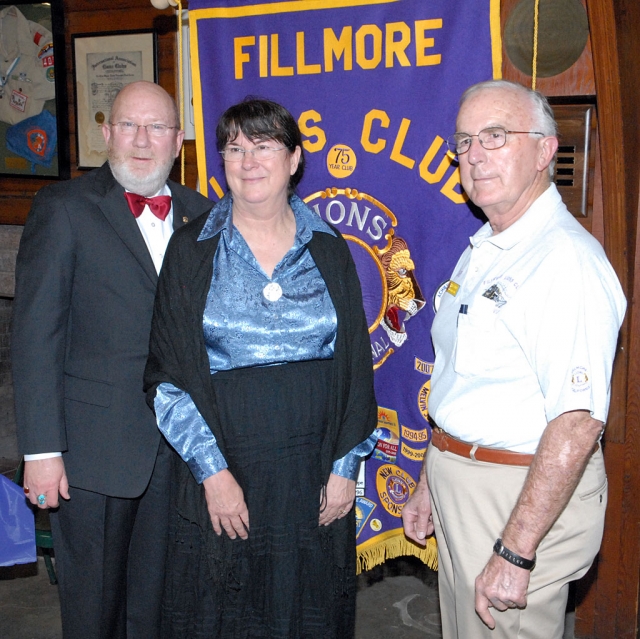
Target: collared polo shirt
(527, 331)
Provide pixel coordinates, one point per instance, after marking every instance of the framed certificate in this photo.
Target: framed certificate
(103, 64)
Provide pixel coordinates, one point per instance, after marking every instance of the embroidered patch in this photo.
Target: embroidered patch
(37, 141)
(18, 101)
(496, 294)
(394, 487)
(580, 379)
(364, 508)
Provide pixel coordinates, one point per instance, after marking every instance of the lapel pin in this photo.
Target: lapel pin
(185, 219)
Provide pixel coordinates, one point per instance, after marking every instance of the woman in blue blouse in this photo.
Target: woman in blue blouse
(261, 377)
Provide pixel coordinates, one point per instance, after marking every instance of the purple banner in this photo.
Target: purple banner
(374, 85)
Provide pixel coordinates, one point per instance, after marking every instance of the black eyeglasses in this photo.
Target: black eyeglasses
(491, 138)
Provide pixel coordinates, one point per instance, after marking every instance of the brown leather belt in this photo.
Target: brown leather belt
(446, 443)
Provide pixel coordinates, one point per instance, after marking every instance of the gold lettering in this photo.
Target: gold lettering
(341, 47)
(264, 56)
(361, 53)
(397, 48)
(239, 55)
(425, 174)
(449, 188)
(422, 42)
(311, 131)
(302, 67)
(396, 153)
(365, 140)
(276, 69)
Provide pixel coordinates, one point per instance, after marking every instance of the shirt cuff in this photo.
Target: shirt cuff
(349, 465)
(37, 456)
(186, 430)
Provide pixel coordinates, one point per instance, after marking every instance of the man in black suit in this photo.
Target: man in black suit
(85, 284)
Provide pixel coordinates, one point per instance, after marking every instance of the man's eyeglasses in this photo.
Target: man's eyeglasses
(492, 138)
(259, 152)
(155, 129)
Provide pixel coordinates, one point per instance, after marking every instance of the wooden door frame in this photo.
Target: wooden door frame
(608, 599)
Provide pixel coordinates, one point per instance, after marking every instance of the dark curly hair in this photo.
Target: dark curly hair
(260, 119)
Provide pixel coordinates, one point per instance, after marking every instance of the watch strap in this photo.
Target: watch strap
(502, 551)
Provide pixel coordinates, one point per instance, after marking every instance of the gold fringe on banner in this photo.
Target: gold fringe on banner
(390, 545)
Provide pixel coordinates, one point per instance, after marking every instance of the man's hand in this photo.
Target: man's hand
(226, 505)
(46, 477)
(563, 453)
(416, 514)
(340, 495)
(500, 585)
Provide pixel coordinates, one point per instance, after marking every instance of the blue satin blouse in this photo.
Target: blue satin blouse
(245, 326)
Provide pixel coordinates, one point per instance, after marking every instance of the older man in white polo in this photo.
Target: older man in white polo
(514, 481)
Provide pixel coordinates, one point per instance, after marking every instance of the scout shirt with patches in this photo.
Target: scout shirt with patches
(529, 334)
(26, 66)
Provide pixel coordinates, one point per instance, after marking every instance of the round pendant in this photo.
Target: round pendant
(272, 291)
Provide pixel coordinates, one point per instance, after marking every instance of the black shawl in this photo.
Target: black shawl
(177, 353)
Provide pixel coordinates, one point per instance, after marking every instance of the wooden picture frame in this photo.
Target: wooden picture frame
(103, 64)
(34, 136)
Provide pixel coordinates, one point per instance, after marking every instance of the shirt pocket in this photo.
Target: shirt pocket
(475, 339)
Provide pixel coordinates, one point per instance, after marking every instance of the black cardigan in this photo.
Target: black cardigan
(177, 353)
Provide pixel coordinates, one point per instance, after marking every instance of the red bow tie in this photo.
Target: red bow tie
(159, 205)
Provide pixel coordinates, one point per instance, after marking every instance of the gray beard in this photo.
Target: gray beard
(148, 185)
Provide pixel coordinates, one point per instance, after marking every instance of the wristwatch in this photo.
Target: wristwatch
(502, 551)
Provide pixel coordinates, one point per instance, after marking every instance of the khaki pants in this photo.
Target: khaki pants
(472, 502)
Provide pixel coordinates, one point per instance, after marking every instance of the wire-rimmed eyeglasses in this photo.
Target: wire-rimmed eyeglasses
(259, 152)
(494, 137)
(155, 129)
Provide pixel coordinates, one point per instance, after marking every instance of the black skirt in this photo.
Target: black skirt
(291, 579)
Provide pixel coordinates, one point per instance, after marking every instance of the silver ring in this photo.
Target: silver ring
(42, 499)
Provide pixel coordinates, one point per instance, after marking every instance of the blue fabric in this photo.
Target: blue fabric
(34, 138)
(17, 527)
(242, 328)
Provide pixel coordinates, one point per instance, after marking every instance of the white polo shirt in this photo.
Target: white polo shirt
(529, 334)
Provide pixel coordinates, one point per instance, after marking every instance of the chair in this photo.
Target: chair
(44, 540)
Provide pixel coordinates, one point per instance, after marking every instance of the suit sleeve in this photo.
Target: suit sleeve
(44, 281)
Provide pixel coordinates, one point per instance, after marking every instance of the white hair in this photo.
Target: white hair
(543, 118)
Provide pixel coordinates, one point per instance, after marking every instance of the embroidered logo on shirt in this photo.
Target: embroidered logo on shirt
(496, 294)
(580, 379)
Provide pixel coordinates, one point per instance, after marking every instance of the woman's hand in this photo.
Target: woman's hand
(340, 495)
(225, 502)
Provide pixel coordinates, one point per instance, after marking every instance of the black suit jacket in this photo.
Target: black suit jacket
(85, 285)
